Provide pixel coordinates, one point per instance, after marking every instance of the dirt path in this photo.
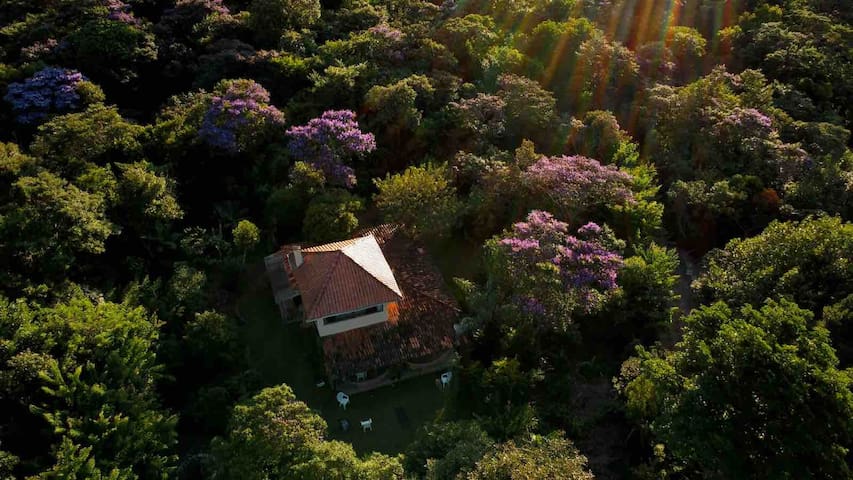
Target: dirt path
(595, 402)
(688, 270)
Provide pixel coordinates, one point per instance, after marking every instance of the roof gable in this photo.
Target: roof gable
(345, 276)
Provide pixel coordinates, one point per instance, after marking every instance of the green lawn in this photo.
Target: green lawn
(290, 354)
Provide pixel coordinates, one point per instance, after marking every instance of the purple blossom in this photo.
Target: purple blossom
(483, 115)
(237, 114)
(120, 12)
(587, 268)
(328, 141)
(386, 31)
(209, 6)
(748, 119)
(589, 230)
(39, 49)
(520, 244)
(50, 90)
(184, 17)
(588, 264)
(529, 305)
(577, 182)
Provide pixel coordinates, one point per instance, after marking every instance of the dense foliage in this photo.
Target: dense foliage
(750, 393)
(643, 208)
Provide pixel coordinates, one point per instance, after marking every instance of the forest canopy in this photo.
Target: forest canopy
(643, 209)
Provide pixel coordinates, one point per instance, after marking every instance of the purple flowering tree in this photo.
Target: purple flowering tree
(387, 32)
(391, 42)
(206, 6)
(50, 91)
(747, 139)
(239, 116)
(481, 120)
(576, 184)
(328, 142)
(39, 49)
(121, 12)
(550, 272)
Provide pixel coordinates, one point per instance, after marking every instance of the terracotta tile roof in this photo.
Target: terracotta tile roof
(424, 327)
(345, 276)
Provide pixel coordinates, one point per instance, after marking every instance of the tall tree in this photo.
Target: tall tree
(49, 223)
(748, 393)
(270, 19)
(274, 435)
(421, 199)
(551, 457)
(88, 371)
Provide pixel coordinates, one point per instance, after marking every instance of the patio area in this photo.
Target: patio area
(288, 353)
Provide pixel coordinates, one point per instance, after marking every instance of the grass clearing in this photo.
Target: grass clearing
(290, 354)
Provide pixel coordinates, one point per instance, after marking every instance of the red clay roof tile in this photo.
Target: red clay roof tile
(345, 276)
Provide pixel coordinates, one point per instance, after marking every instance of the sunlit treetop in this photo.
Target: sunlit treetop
(586, 263)
(239, 109)
(327, 141)
(121, 12)
(39, 49)
(575, 183)
(386, 31)
(212, 6)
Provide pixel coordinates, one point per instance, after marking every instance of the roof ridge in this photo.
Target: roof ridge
(369, 273)
(326, 276)
(370, 267)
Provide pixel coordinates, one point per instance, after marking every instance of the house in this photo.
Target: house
(379, 306)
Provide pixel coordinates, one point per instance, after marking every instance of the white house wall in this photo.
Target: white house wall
(353, 323)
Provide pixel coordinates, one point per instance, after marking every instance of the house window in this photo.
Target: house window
(358, 313)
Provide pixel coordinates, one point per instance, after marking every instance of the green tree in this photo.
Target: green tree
(88, 369)
(111, 50)
(551, 457)
(7, 465)
(274, 435)
(395, 111)
(469, 38)
(804, 261)
(267, 435)
(508, 386)
(99, 135)
(749, 393)
(794, 43)
(73, 461)
(146, 195)
(445, 450)
(608, 73)
(422, 199)
(49, 223)
(270, 19)
(598, 136)
(531, 111)
(337, 460)
(246, 235)
(211, 338)
(331, 216)
(648, 280)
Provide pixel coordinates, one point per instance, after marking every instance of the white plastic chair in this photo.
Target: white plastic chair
(445, 379)
(367, 425)
(343, 400)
